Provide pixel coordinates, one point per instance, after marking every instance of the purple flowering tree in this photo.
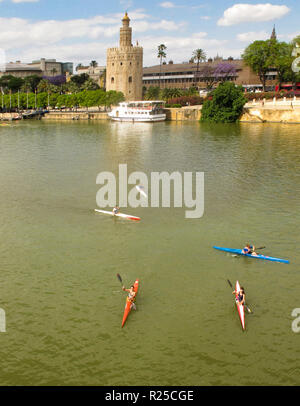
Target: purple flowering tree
(56, 80)
(225, 71)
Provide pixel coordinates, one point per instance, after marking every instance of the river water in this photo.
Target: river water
(59, 259)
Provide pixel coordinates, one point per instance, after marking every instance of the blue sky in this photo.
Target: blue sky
(82, 30)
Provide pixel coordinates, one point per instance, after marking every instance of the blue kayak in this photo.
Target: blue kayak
(240, 252)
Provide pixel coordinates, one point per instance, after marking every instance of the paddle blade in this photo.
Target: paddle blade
(141, 188)
(248, 309)
(119, 277)
(230, 284)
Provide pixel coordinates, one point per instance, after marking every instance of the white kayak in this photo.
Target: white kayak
(122, 215)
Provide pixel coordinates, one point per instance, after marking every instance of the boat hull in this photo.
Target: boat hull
(240, 308)
(240, 252)
(122, 215)
(138, 119)
(128, 304)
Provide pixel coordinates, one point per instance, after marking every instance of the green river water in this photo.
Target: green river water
(59, 259)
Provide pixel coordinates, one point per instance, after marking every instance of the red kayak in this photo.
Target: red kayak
(128, 304)
(240, 307)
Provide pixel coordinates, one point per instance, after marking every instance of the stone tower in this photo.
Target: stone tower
(124, 66)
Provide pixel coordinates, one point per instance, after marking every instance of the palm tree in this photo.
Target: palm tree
(94, 64)
(161, 55)
(200, 56)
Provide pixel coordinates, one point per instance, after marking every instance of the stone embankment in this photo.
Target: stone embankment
(72, 115)
(261, 111)
(273, 111)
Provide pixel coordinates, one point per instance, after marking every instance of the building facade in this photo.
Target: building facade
(186, 75)
(124, 67)
(21, 70)
(42, 67)
(97, 73)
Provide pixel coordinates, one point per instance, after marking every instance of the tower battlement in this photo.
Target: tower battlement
(124, 67)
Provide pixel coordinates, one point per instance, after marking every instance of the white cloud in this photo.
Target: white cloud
(179, 49)
(126, 3)
(253, 36)
(18, 32)
(167, 4)
(25, 1)
(241, 13)
(83, 40)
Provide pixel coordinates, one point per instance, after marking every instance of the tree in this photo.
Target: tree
(226, 105)
(94, 64)
(90, 84)
(11, 83)
(207, 75)
(31, 82)
(53, 71)
(296, 60)
(200, 56)
(113, 98)
(260, 56)
(78, 66)
(225, 71)
(152, 93)
(161, 55)
(80, 79)
(282, 61)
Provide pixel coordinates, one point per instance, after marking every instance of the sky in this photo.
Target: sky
(79, 31)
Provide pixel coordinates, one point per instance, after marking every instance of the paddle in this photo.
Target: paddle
(248, 309)
(119, 277)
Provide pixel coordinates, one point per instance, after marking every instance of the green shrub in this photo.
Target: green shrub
(226, 105)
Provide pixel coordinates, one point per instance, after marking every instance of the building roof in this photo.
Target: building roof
(189, 67)
(126, 17)
(21, 67)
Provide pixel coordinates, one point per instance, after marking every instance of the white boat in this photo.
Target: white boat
(139, 111)
(125, 216)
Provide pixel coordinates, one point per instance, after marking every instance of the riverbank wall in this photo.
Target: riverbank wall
(289, 114)
(72, 115)
(286, 115)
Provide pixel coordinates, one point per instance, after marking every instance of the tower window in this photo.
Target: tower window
(121, 63)
(112, 80)
(130, 79)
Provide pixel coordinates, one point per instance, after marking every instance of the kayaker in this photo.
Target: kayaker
(116, 210)
(249, 249)
(241, 297)
(131, 295)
